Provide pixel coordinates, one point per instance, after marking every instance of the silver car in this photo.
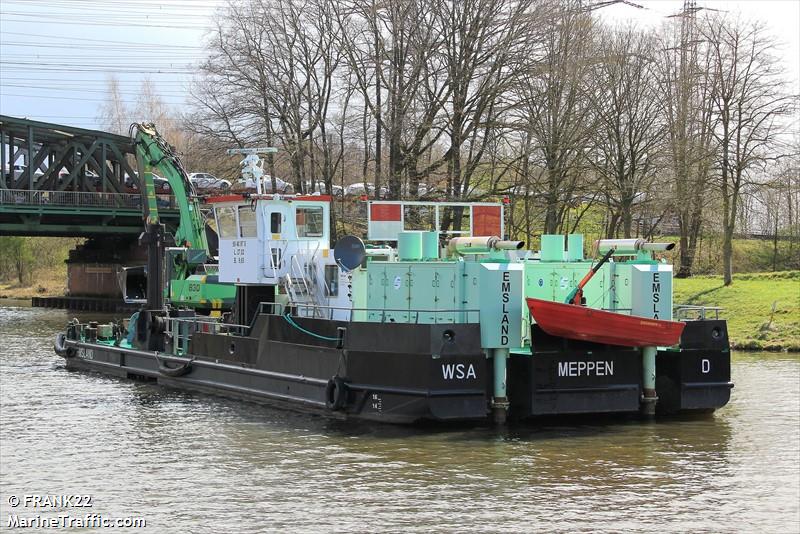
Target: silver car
(204, 180)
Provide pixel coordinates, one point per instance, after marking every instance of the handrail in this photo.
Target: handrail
(684, 311)
(181, 329)
(25, 197)
(390, 311)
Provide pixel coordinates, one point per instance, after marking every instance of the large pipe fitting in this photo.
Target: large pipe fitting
(480, 245)
(630, 246)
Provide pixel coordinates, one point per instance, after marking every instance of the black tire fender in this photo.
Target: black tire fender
(335, 393)
(174, 372)
(60, 346)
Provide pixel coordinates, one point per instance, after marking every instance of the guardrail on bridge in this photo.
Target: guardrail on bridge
(25, 197)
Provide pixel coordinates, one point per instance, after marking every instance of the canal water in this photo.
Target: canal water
(195, 463)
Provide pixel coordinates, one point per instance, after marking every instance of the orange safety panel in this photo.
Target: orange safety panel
(486, 221)
(385, 212)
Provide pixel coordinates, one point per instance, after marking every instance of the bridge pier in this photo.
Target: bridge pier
(92, 267)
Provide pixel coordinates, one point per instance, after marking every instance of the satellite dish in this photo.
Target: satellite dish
(349, 252)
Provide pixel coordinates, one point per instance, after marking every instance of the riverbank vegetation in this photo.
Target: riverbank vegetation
(33, 266)
(762, 310)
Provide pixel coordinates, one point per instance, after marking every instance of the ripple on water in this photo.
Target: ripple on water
(202, 464)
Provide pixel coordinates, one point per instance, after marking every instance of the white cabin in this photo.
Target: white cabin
(280, 241)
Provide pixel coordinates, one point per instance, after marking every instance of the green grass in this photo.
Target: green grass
(748, 307)
(749, 255)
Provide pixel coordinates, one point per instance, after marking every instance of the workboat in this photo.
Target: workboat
(422, 319)
(598, 326)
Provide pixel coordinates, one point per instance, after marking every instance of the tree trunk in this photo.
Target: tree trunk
(685, 259)
(551, 208)
(727, 256)
(378, 119)
(627, 220)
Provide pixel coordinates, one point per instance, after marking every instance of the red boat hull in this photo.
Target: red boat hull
(588, 324)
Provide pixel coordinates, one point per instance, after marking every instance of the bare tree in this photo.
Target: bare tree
(499, 96)
(392, 56)
(113, 112)
(150, 107)
(554, 108)
(630, 129)
(682, 70)
(748, 105)
(484, 44)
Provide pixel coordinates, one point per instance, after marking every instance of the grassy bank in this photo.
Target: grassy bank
(43, 283)
(748, 304)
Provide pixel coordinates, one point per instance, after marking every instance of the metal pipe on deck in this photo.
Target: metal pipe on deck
(630, 246)
(649, 397)
(480, 245)
(499, 397)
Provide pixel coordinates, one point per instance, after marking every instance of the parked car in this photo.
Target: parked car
(284, 188)
(22, 170)
(206, 181)
(161, 184)
(357, 189)
(424, 191)
(319, 187)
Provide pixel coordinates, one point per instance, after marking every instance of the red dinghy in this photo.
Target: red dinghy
(589, 324)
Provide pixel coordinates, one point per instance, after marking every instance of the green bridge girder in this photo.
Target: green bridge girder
(62, 181)
(74, 221)
(75, 213)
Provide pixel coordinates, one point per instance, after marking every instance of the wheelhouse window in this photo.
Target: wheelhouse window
(309, 221)
(247, 222)
(275, 220)
(226, 222)
(332, 280)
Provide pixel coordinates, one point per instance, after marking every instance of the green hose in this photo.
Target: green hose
(294, 324)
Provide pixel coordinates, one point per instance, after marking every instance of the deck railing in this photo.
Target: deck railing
(25, 197)
(686, 312)
(386, 315)
(180, 329)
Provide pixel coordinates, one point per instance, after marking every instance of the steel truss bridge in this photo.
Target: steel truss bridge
(58, 180)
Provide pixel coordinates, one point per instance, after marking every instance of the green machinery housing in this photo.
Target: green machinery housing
(455, 286)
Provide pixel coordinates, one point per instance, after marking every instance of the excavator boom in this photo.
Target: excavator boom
(187, 282)
(153, 152)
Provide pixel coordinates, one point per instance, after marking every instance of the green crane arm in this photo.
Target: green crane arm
(152, 151)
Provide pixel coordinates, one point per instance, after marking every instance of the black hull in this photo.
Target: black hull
(396, 378)
(405, 373)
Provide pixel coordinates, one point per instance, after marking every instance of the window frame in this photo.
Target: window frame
(232, 210)
(254, 224)
(312, 208)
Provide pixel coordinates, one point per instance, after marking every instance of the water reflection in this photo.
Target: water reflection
(199, 463)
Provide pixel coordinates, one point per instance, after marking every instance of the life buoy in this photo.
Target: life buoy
(335, 393)
(60, 346)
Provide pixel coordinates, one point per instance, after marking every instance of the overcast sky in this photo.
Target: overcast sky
(57, 71)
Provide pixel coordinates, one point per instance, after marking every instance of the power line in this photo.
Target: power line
(25, 17)
(103, 41)
(73, 98)
(126, 117)
(53, 67)
(84, 89)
